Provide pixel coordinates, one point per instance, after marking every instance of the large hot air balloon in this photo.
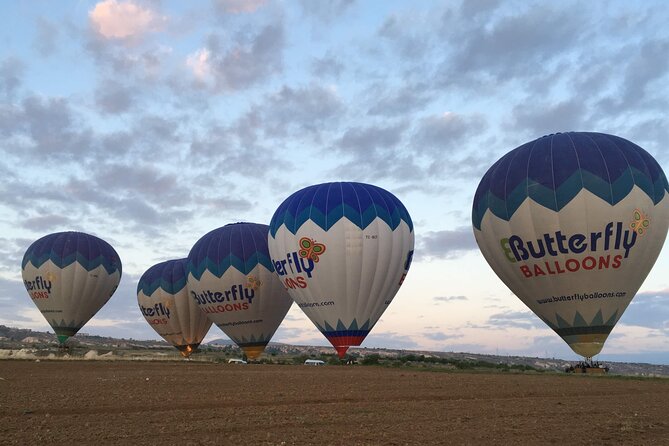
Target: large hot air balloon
(70, 276)
(342, 250)
(572, 223)
(164, 300)
(231, 278)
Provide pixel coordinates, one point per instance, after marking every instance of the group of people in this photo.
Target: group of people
(583, 366)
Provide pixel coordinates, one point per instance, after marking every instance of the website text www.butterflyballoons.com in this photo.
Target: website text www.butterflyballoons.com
(582, 296)
(235, 323)
(316, 304)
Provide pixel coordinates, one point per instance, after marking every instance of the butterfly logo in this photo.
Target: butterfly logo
(253, 283)
(640, 223)
(309, 249)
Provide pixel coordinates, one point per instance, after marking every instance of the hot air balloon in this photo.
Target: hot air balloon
(342, 250)
(572, 223)
(167, 306)
(231, 278)
(70, 276)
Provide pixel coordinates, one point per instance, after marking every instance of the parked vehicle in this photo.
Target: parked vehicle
(314, 362)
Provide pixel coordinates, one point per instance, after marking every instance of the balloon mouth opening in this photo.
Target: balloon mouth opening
(64, 333)
(585, 344)
(341, 351)
(253, 352)
(187, 350)
(341, 343)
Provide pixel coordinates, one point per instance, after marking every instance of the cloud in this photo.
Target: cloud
(376, 152)
(371, 139)
(233, 150)
(517, 44)
(123, 20)
(389, 339)
(327, 66)
(156, 185)
(199, 63)
(472, 9)
(464, 347)
(47, 222)
(440, 299)
(144, 64)
(648, 309)
(325, 11)
(11, 71)
(439, 336)
(405, 32)
(448, 131)
(46, 38)
(238, 6)
(113, 97)
(248, 60)
(48, 128)
(542, 118)
(312, 109)
(400, 101)
(11, 256)
(446, 244)
(515, 319)
(645, 71)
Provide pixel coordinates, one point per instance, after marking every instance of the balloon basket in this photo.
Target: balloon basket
(588, 368)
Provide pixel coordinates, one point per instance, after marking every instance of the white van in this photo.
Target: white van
(314, 362)
(236, 361)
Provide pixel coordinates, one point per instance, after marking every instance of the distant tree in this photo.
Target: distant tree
(372, 359)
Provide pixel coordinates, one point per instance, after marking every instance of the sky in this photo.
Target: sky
(151, 123)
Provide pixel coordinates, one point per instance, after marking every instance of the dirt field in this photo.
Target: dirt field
(180, 403)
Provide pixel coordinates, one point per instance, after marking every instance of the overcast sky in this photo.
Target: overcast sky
(150, 123)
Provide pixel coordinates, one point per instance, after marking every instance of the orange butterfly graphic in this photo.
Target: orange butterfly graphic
(253, 282)
(640, 223)
(309, 249)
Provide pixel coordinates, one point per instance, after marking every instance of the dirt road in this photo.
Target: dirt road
(180, 403)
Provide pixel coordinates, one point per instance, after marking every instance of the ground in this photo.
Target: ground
(186, 403)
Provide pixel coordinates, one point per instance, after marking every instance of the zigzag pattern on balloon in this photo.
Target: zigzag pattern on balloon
(223, 264)
(38, 259)
(87, 250)
(150, 287)
(326, 204)
(580, 326)
(325, 222)
(170, 276)
(576, 164)
(340, 329)
(252, 341)
(238, 245)
(66, 329)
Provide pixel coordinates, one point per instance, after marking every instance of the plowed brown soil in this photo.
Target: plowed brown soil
(131, 403)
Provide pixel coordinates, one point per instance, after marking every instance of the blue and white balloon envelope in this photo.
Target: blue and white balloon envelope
(166, 304)
(70, 276)
(342, 250)
(572, 223)
(231, 278)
